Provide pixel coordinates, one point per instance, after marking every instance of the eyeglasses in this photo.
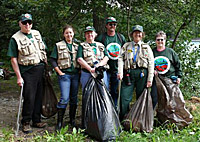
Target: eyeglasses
(159, 39)
(27, 21)
(110, 24)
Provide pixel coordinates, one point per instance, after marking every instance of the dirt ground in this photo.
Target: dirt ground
(9, 102)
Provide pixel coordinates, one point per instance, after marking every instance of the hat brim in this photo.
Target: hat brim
(111, 22)
(136, 30)
(26, 20)
(89, 31)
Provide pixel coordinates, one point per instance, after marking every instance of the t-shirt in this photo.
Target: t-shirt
(113, 64)
(13, 52)
(72, 69)
(175, 66)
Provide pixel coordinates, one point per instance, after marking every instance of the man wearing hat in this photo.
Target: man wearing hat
(91, 54)
(136, 67)
(28, 56)
(113, 42)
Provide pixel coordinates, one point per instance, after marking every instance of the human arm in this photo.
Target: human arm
(177, 65)
(15, 67)
(103, 62)
(53, 61)
(55, 66)
(121, 63)
(85, 65)
(150, 67)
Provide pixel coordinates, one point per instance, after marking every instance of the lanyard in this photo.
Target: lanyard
(135, 54)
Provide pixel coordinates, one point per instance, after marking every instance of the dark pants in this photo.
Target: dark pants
(154, 95)
(113, 81)
(126, 94)
(32, 94)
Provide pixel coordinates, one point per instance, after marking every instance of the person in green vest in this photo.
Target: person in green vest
(136, 68)
(113, 41)
(63, 59)
(28, 57)
(91, 54)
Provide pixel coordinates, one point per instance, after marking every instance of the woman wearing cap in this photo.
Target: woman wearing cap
(90, 55)
(136, 67)
(166, 63)
(63, 59)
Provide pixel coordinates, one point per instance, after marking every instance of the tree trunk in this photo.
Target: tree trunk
(179, 31)
(99, 22)
(128, 20)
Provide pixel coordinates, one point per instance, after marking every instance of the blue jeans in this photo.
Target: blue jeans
(69, 89)
(113, 80)
(85, 76)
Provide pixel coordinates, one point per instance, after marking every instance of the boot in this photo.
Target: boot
(61, 112)
(72, 114)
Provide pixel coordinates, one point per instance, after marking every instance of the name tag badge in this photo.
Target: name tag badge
(129, 51)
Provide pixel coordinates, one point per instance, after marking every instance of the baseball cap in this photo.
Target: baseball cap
(89, 28)
(137, 28)
(111, 19)
(25, 17)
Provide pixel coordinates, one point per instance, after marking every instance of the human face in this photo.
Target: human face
(26, 26)
(137, 36)
(90, 36)
(68, 34)
(160, 42)
(111, 26)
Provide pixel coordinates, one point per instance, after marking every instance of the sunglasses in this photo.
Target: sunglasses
(27, 21)
(159, 39)
(110, 24)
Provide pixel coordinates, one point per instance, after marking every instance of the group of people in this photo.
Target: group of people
(131, 62)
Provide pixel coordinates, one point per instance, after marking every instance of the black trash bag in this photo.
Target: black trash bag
(171, 104)
(99, 71)
(99, 117)
(140, 117)
(49, 100)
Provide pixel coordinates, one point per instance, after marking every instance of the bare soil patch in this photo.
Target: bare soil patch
(9, 102)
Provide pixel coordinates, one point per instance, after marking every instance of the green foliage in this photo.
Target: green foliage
(189, 58)
(163, 133)
(63, 136)
(7, 136)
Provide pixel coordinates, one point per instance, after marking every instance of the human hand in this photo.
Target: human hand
(119, 76)
(61, 73)
(178, 81)
(20, 82)
(92, 70)
(155, 72)
(149, 84)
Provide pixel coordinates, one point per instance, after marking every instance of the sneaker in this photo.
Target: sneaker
(26, 128)
(39, 125)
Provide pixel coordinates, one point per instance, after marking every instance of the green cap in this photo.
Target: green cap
(137, 28)
(25, 17)
(89, 28)
(111, 19)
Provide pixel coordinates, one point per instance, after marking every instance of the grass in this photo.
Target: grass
(164, 133)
